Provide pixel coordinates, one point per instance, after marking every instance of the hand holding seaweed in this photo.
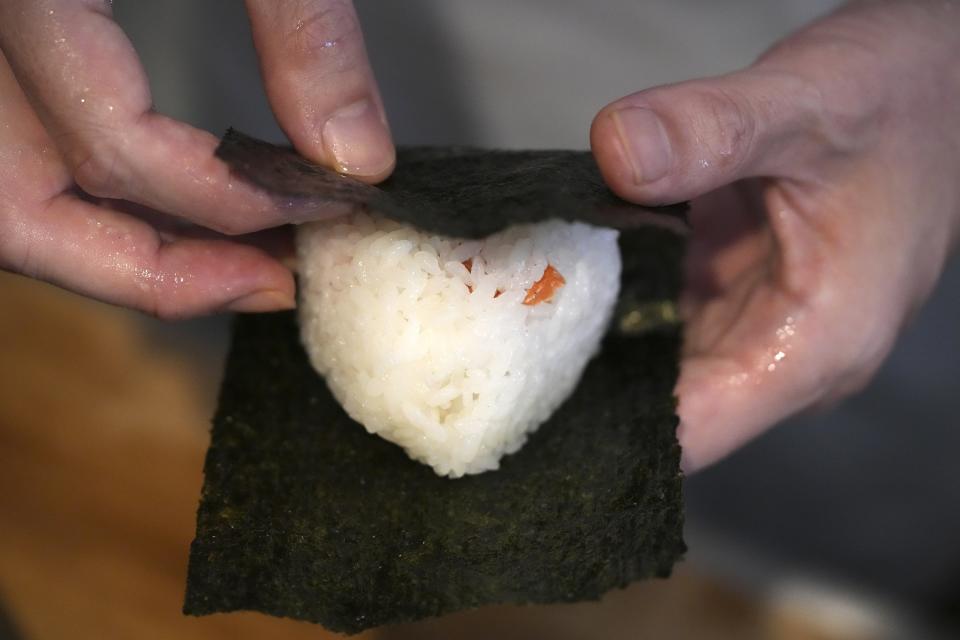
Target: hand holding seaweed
(829, 168)
(97, 191)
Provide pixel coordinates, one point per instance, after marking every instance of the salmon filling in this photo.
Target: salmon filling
(540, 291)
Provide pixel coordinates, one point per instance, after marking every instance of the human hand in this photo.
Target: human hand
(95, 187)
(826, 201)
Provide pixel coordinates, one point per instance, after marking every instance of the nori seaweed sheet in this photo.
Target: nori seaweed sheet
(453, 191)
(304, 514)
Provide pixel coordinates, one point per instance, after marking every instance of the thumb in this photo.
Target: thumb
(676, 142)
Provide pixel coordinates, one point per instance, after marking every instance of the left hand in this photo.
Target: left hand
(825, 181)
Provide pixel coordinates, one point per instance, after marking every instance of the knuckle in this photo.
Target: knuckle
(858, 349)
(841, 112)
(152, 284)
(161, 309)
(847, 124)
(328, 35)
(94, 169)
(856, 371)
(156, 300)
(725, 126)
(819, 114)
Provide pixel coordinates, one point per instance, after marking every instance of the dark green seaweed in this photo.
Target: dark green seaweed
(304, 514)
(453, 191)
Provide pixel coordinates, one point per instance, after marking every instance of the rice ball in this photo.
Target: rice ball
(454, 349)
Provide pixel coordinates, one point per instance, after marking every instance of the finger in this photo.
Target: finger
(119, 259)
(780, 359)
(677, 142)
(793, 323)
(277, 242)
(48, 232)
(89, 90)
(754, 335)
(320, 84)
(730, 235)
(27, 156)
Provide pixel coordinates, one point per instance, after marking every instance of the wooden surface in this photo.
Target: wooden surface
(102, 438)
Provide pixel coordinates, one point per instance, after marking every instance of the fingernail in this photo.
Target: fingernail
(264, 300)
(357, 138)
(645, 143)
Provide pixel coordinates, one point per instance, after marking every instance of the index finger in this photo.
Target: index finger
(84, 80)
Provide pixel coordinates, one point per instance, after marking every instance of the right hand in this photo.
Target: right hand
(99, 194)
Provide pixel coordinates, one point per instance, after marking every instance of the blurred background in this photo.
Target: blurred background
(844, 524)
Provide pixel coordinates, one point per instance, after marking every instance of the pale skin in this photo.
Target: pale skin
(825, 181)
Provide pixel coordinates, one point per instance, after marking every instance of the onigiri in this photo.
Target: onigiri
(454, 349)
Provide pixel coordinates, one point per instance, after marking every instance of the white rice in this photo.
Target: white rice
(444, 361)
